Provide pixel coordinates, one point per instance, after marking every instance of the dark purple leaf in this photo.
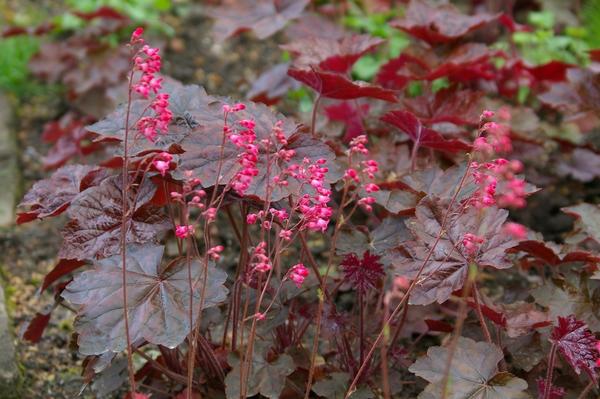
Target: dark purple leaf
(335, 85)
(94, 230)
(272, 84)
(158, 299)
(448, 266)
(474, 373)
(577, 344)
(204, 151)
(466, 63)
(314, 25)
(441, 24)
(581, 164)
(52, 196)
(409, 124)
(263, 17)
(33, 330)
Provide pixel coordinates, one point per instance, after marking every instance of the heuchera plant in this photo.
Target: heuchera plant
(228, 250)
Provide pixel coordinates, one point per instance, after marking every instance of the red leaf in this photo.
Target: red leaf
(553, 71)
(577, 344)
(331, 54)
(409, 124)
(102, 12)
(396, 73)
(52, 196)
(439, 326)
(441, 24)
(461, 107)
(335, 85)
(33, 330)
(350, 115)
(272, 84)
(509, 23)
(465, 63)
(539, 250)
(62, 268)
(263, 17)
(580, 93)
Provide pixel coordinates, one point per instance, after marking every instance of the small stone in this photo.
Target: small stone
(177, 45)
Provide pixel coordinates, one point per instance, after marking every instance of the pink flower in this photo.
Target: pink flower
(251, 218)
(285, 235)
(471, 243)
(298, 273)
(518, 231)
(259, 316)
(162, 162)
(136, 36)
(182, 231)
(366, 203)
(371, 188)
(260, 261)
(210, 214)
(214, 252)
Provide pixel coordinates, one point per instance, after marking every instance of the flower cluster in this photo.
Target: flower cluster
(148, 62)
(314, 209)
(248, 159)
(498, 184)
(184, 231)
(297, 274)
(260, 261)
(368, 168)
(472, 243)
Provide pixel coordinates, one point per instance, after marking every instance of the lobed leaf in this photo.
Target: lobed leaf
(157, 294)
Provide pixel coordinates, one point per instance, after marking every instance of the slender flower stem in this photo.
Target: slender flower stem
(411, 287)
(551, 361)
(314, 115)
(124, 221)
(484, 327)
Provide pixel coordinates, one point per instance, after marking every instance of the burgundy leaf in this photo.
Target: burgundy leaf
(351, 115)
(474, 373)
(539, 250)
(448, 265)
(396, 73)
(52, 196)
(577, 344)
(362, 273)
(439, 326)
(409, 124)
(158, 299)
(331, 54)
(272, 84)
(461, 107)
(465, 63)
(94, 230)
(204, 150)
(335, 85)
(441, 24)
(102, 12)
(553, 71)
(33, 330)
(263, 17)
(62, 268)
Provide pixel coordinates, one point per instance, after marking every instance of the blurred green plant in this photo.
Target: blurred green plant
(147, 12)
(543, 45)
(591, 20)
(14, 73)
(376, 24)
